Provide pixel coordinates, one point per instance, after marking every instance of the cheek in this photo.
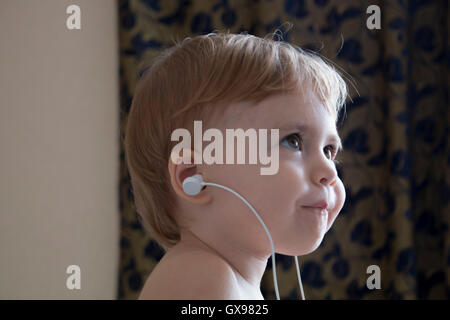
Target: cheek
(340, 194)
(278, 194)
(339, 189)
(271, 195)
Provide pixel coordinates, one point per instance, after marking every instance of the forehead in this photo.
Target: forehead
(287, 112)
(273, 111)
(277, 111)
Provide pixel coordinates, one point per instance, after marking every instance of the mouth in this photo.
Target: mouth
(322, 204)
(317, 210)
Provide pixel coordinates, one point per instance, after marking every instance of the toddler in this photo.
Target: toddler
(215, 248)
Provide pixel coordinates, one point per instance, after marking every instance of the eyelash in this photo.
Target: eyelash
(332, 147)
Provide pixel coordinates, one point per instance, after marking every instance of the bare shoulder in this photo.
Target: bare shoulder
(191, 275)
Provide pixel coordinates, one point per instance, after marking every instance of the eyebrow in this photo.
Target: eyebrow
(305, 128)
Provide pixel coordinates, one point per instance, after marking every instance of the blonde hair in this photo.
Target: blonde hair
(195, 79)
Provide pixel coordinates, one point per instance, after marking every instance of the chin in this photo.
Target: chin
(316, 245)
(303, 249)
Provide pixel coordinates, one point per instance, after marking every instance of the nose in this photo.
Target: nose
(324, 181)
(324, 171)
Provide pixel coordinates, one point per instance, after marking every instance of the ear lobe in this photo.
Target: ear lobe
(179, 171)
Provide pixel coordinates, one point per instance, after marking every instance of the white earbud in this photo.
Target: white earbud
(193, 185)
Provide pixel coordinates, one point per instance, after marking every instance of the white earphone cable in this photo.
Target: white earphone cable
(270, 239)
(299, 277)
(265, 228)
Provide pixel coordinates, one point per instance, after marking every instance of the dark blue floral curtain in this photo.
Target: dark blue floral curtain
(395, 133)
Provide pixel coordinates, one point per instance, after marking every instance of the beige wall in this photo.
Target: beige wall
(59, 149)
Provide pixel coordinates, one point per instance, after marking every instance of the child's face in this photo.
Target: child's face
(305, 176)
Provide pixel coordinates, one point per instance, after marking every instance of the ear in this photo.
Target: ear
(181, 167)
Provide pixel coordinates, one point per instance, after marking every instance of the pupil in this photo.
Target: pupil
(294, 142)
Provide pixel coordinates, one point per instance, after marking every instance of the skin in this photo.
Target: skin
(218, 225)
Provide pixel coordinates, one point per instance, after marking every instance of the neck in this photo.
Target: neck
(248, 267)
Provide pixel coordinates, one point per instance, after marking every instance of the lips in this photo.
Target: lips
(322, 204)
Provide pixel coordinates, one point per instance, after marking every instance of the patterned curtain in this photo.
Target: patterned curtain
(395, 130)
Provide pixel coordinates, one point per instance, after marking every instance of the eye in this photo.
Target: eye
(292, 141)
(332, 150)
